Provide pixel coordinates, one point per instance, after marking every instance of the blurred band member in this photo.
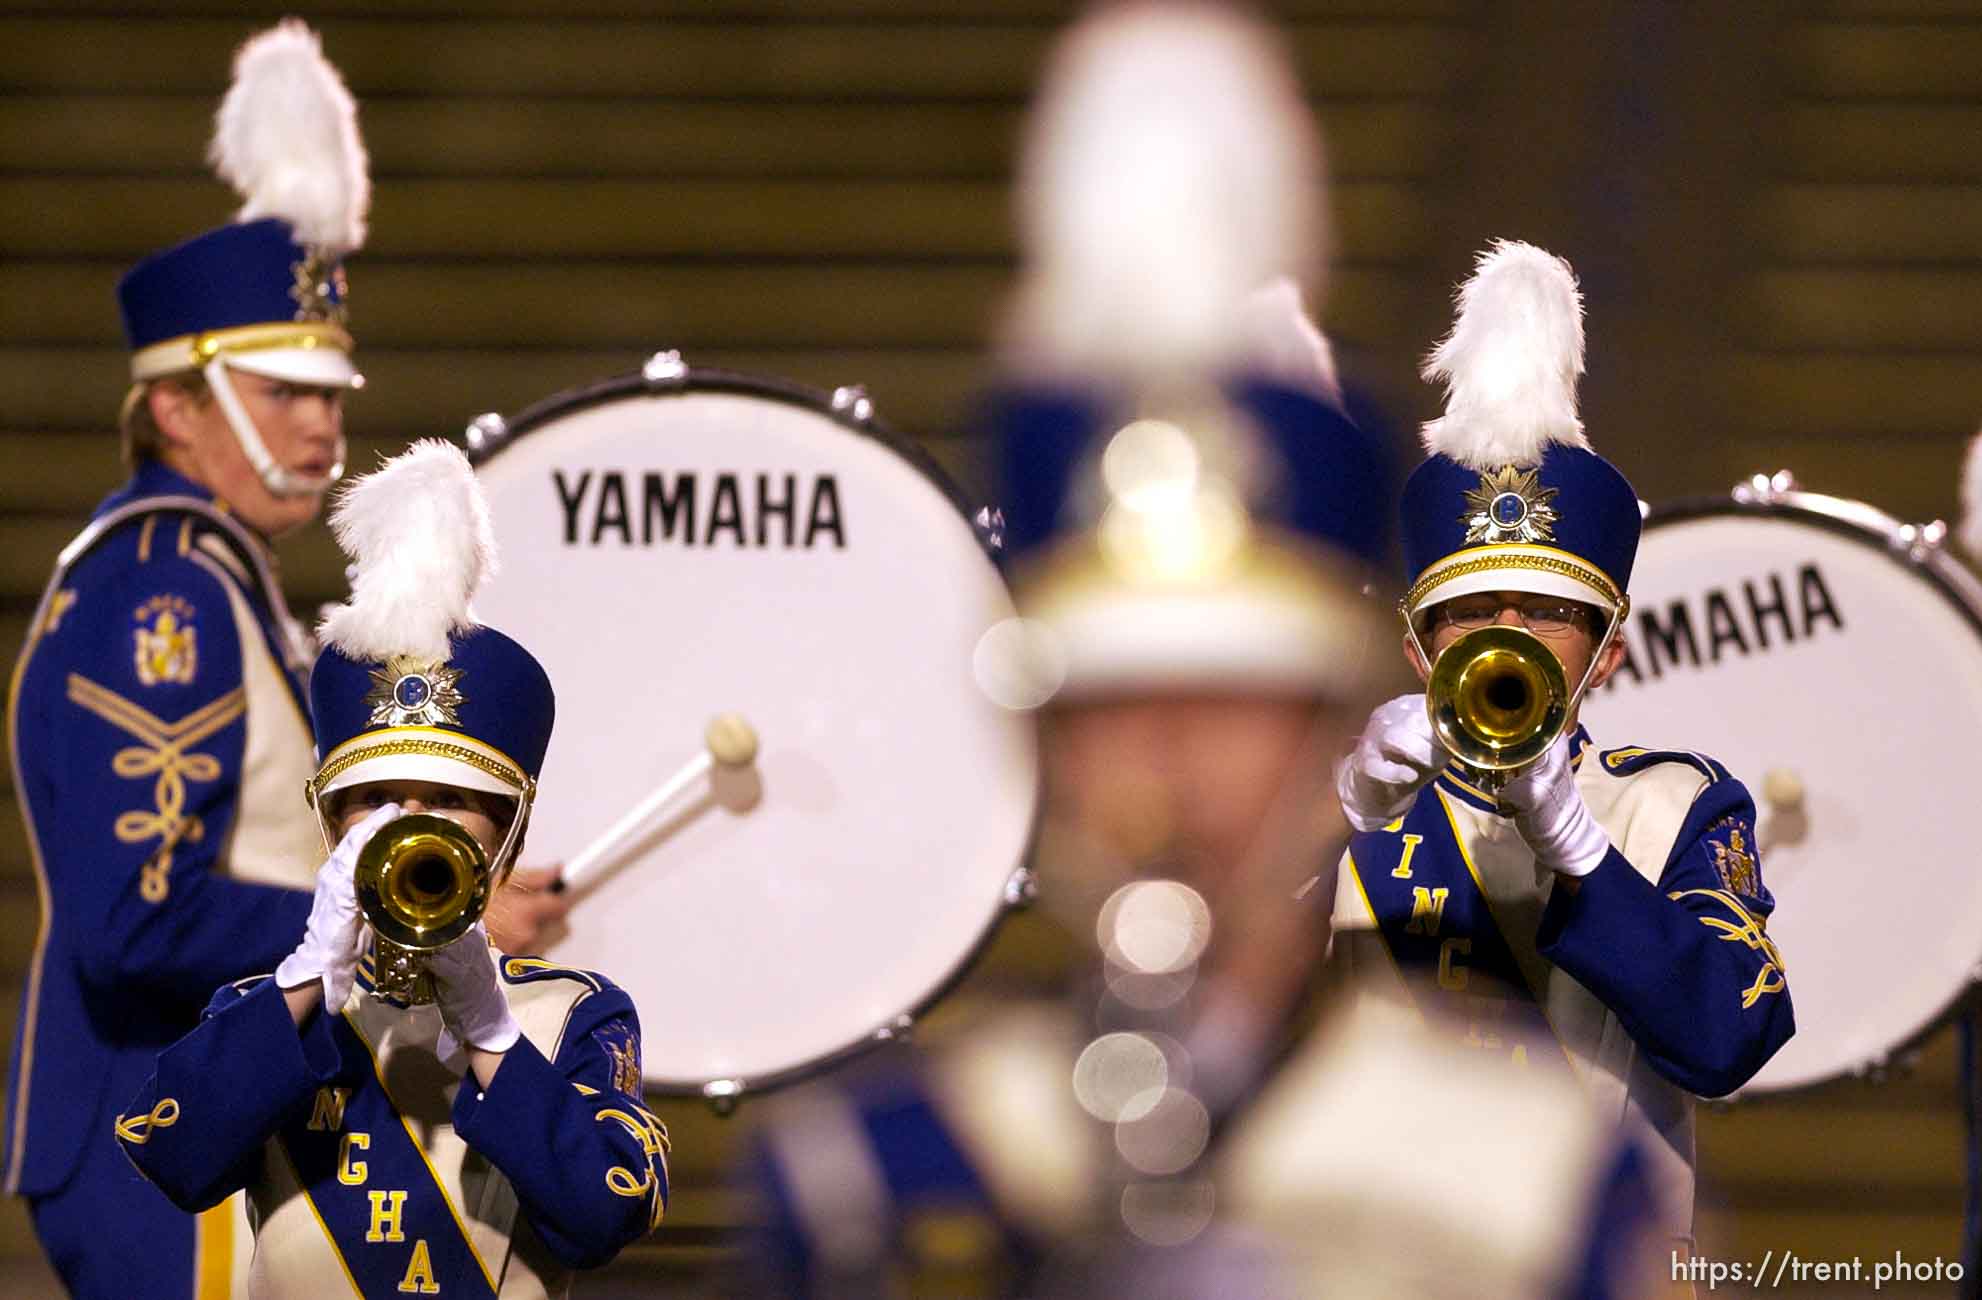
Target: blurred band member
(1194, 521)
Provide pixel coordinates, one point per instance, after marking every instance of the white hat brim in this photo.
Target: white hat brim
(419, 767)
(319, 367)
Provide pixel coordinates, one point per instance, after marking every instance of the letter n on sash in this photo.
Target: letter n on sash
(379, 1222)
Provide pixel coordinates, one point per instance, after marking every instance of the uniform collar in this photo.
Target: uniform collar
(1466, 792)
(153, 478)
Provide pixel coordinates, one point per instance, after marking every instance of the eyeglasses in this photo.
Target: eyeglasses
(1543, 615)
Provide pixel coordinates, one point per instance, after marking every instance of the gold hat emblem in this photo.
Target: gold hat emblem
(409, 692)
(318, 289)
(1510, 505)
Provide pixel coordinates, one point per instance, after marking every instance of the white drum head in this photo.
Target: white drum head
(1864, 692)
(729, 546)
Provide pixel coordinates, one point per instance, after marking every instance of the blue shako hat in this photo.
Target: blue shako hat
(1327, 479)
(1187, 505)
(480, 716)
(1218, 536)
(250, 292)
(409, 686)
(1511, 497)
(266, 293)
(1567, 526)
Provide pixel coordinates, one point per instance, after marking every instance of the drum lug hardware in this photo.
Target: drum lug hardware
(1919, 540)
(990, 527)
(1021, 888)
(896, 1030)
(1765, 489)
(485, 432)
(723, 1095)
(852, 401)
(664, 370)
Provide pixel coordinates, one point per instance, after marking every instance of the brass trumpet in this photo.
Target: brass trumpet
(422, 882)
(1498, 698)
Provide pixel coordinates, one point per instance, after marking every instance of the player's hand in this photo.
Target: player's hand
(526, 915)
(1550, 814)
(334, 939)
(1395, 757)
(466, 985)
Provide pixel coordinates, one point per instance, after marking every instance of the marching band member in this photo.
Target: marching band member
(481, 1135)
(1193, 519)
(159, 725)
(1602, 914)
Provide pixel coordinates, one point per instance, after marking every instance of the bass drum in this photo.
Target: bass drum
(1831, 658)
(684, 543)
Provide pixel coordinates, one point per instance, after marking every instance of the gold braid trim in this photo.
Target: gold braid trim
(647, 1129)
(1562, 565)
(426, 746)
(136, 1129)
(193, 351)
(1752, 933)
(165, 751)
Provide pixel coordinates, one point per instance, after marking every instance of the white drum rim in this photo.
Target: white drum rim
(849, 407)
(666, 375)
(1917, 549)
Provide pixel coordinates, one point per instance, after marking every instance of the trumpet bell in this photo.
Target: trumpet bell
(1498, 698)
(422, 882)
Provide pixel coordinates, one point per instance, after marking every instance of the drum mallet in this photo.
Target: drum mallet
(729, 740)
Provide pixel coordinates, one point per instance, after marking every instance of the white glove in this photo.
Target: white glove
(334, 939)
(1550, 814)
(1395, 757)
(472, 1003)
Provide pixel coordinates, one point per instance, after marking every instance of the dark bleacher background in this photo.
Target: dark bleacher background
(1776, 209)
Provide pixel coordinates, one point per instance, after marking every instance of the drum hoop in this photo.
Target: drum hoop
(709, 379)
(1906, 546)
(1017, 893)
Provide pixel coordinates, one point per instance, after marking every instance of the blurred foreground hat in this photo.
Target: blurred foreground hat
(1186, 503)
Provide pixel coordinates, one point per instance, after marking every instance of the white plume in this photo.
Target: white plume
(1511, 362)
(286, 138)
(1969, 533)
(1169, 167)
(418, 533)
(1284, 344)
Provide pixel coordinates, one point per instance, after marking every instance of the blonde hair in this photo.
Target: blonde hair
(138, 430)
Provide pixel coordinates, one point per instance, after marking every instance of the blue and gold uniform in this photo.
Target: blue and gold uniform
(370, 1159)
(1596, 913)
(1651, 979)
(368, 1147)
(159, 737)
(158, 718)
(911, 1181)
